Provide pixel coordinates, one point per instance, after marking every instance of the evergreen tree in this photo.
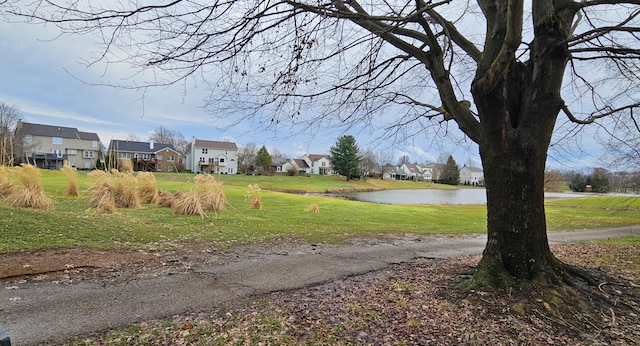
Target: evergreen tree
(451, 173)
(263, 159)
(344, 157)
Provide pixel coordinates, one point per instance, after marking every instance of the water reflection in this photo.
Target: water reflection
(431, 196)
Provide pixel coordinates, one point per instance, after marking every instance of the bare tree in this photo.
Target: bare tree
(367, 162)
(247, 156)
(384, 159)
(404, 159)
(406, 67)
(9, 117)
(166, 136)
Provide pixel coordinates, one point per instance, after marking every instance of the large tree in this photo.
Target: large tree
(263, 159)
(500, 72)
(344, 157)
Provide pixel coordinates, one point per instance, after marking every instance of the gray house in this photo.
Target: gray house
(49, 146)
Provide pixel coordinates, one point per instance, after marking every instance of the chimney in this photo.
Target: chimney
(151, 144)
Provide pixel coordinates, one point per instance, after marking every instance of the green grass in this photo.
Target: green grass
(70, 224)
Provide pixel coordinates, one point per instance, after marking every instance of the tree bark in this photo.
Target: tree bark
(517, 113)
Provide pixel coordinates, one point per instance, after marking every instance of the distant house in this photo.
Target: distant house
(318, 164)
(213, 157)
(49, 146)
(471, 176)
(431, 171)
(146, 156)
(413, 171)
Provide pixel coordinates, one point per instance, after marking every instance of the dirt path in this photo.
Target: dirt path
(48, 297)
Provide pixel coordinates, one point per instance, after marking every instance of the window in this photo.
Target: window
(28, 139)
(323, 164)
(158, 157)
(37, 150)
(221, 160)
(94, 144)
(124, 155)
(56, 152)
(87, 164)
(202, 159)
(88, 154)
(170, 168)
(56, 140)
(171, 158)
(145, 156)
(205, 150)
(72, 151)
(159, 168)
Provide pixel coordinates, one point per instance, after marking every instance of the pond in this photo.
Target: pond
(431, 196)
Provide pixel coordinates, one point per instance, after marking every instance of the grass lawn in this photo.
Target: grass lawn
(72, 224)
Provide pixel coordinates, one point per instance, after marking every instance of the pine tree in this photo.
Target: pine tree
(263, 159)
(451, 172)
(344, 157)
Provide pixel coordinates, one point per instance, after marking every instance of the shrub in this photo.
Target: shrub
(188, 203)
(292, 171)
(147, 187)
(254, 196)
(30, 194)
(72, 180)
(210, 191)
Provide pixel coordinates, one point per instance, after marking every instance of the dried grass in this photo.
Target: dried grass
(165, 199)
(72, 180)
(113, 190)
(254, 196)
(126, 166)
(30, 194)
(188, 203)
(6, 185)
(314, 208)
(211, 194)
(147, 188)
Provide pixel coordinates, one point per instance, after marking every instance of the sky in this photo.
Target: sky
(48, 79)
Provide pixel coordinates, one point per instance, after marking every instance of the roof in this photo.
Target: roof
(315, 157)
(56, 131)
(200, 143)
(473, 169)
(300, 163)
(278, 161)
(138, 147)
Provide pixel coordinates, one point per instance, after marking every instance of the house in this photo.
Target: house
(48, 146)
(397, 173)
(431, 171)
(318, 164)
(146, 156)
(213, 157)
(413, 171)
(471, 176)
(299, 165)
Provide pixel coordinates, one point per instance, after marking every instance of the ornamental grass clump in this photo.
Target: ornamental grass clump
(6, 185)
(188, 203)
(211, 194)
(113, 190)
(254, 196)
(314, 208)
(147, 188)
(72, 180)
(124, 187)
(100, 196)
(125, 166)
(30, 193)
(165, 199)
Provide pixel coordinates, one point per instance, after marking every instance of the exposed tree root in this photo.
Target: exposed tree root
(579, 299)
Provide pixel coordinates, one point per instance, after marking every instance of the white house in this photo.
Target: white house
(471, 176)
(318, 164)
(213, 157)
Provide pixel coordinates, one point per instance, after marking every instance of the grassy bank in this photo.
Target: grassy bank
(72, 224)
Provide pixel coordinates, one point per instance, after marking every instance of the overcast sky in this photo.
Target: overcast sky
(46, 77)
